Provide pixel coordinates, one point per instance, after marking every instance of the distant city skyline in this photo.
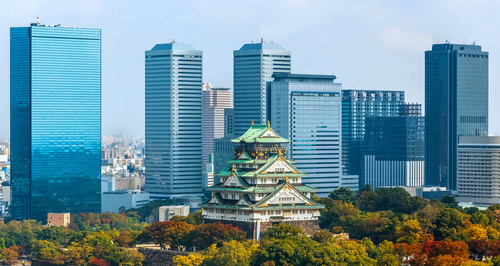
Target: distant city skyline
(372, 45)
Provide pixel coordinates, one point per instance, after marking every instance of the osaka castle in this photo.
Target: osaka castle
(261, 187)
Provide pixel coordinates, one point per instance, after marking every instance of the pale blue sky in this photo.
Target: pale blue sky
(375, 44)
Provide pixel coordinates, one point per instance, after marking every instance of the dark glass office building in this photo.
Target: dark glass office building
(356, 106)
(456, 104)
(393, 149)
(55, 119)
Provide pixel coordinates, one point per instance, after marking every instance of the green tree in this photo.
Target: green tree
(343, 194)
(322, 236)
(450, 201)
(54, 234)
(448, 224)
(44, 250)
(283, 230)
(292, 250)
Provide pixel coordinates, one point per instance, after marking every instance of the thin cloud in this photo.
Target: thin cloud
(406, 41)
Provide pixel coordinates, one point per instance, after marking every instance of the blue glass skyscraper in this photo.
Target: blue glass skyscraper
(55, 120)
(254, 65)
(307, 110)
(357, 105)
(173, 156)
(456, 104)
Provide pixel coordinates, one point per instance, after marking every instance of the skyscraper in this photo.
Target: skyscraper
(356, 106)
(456, 104)
(254, 65)
(173, 151)
(307, 110)
(215, 102)
(55, 120)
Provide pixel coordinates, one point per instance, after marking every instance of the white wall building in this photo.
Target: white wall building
(114, 200)
(478, 170)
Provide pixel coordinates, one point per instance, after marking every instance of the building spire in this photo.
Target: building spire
(252, 122)
(268, 123)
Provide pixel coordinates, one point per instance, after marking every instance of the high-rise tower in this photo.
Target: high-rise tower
(456, 104)
(254, 65)
(173, 121)
(55, 119)
(215, 102)
(307, 110)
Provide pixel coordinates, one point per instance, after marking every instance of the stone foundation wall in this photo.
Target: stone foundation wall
(158, 257)
(308, 226)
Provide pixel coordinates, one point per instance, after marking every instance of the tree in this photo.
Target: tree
(473, 231)
(127, 239)
(480, 217)
(450, 201)
(192, 259)
(204, 235)
(449, 222)
(322, 236)
(478, 247)
(336, 213)
(342, 193)
(292, 250)
(453, 248)
(46, 251)
(194, 218)
(408, 232)
(54, 234)
(282, 230)
(167, 233)
(2, 244)
(232, 253)
(98, 262)
(10, 255)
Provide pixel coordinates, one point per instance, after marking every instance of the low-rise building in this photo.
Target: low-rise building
(165, 213)
(478, 170)
(58, 219)
(114, 200)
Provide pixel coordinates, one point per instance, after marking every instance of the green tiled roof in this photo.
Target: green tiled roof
(284, 207)
(254, 135)
(270, 162)
(266, 198)
(258, 189)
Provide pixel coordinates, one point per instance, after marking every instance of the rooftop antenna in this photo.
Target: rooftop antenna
(38, 20)
(261, 40)
(173, 40)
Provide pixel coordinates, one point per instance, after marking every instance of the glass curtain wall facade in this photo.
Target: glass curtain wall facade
(456, 104)
(394, 151)
(173, 151)
(254, 65)
(55, 120)
(356, 106)
(307, 110)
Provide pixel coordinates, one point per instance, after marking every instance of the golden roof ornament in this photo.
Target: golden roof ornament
(268, 123)
(252, 122)
(286, 179)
